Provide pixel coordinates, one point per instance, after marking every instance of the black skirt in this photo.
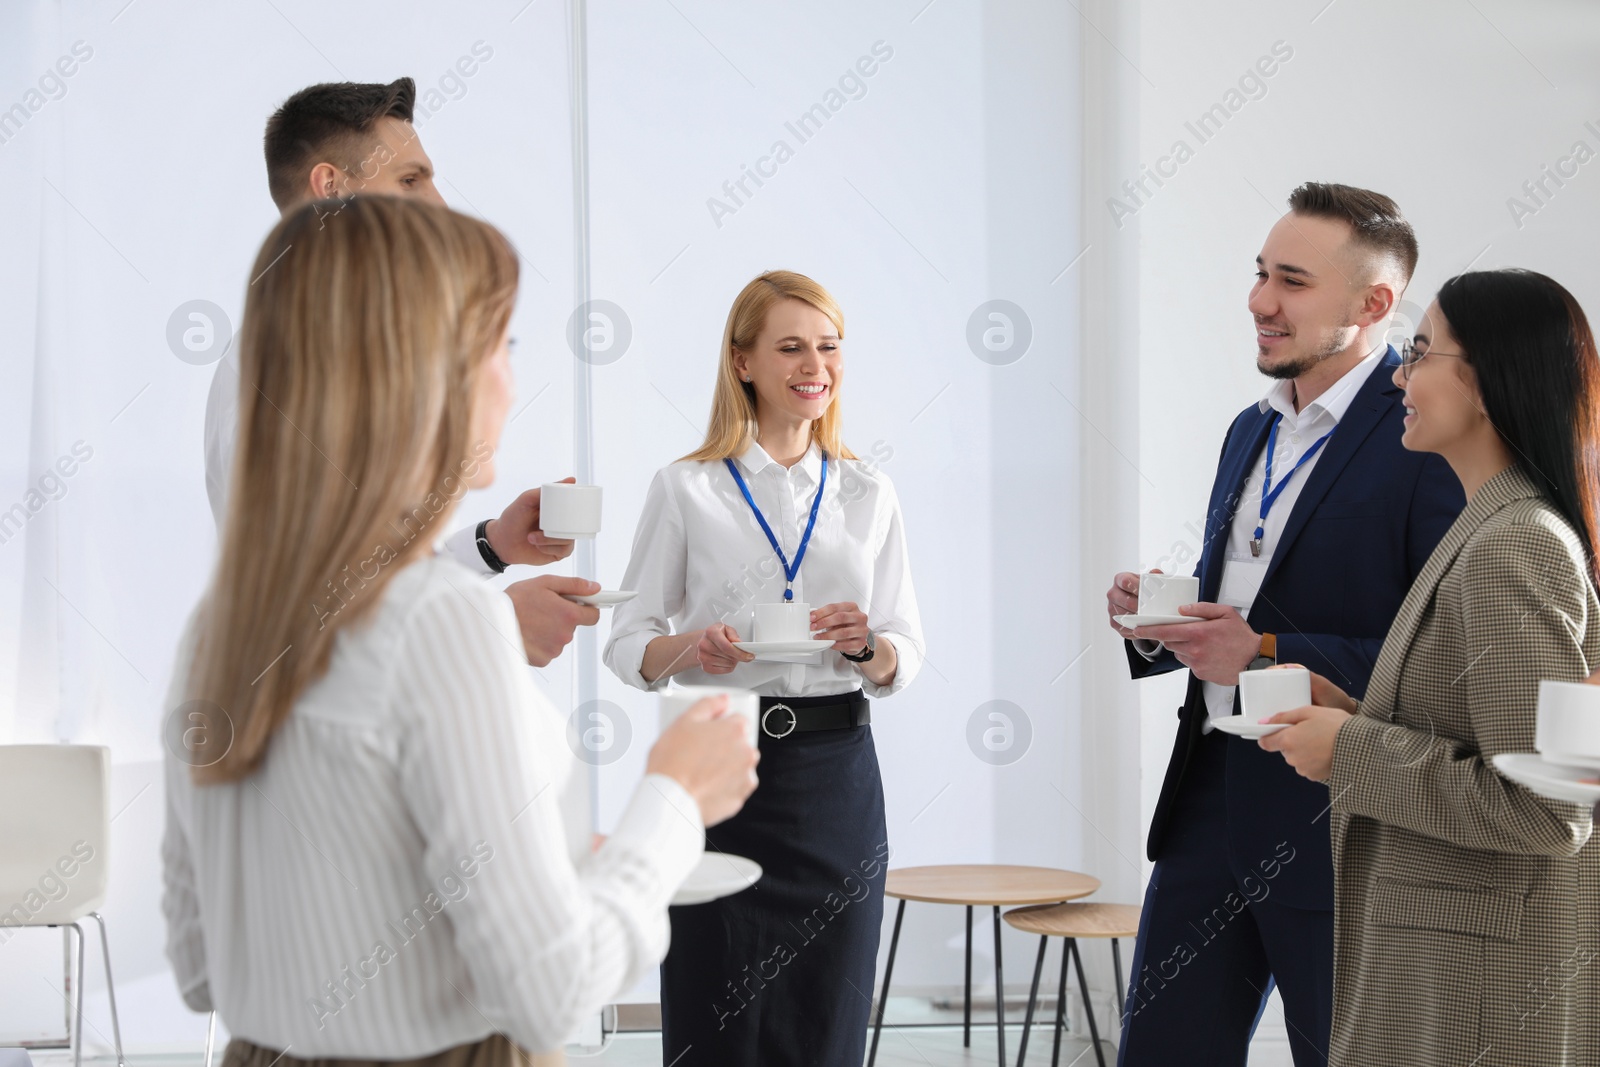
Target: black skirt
(781, 975)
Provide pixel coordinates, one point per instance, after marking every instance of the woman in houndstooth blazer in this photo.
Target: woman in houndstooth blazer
(1467, 909)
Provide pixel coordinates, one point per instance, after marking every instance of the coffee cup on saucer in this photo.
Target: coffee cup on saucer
(1164, 594)
(787, 620)
(1265, 693)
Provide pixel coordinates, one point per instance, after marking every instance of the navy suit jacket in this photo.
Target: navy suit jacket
(1367, 518)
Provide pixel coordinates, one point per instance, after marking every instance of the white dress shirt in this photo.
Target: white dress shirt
(700, 557)
(394, 879)
(222, 430)
(1242, 572)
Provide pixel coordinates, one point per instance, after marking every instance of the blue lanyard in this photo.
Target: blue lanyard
(789, 570)
(1268, 493)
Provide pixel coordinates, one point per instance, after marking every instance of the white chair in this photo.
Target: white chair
(55, 845)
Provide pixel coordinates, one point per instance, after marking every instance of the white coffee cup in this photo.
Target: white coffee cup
(1568, 723)
(741, 702)
(787, 620)
(1265, 693)
(1163, 594)
(569, 511)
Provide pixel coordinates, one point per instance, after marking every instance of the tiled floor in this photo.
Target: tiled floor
(931, 1038)
(934, 1046)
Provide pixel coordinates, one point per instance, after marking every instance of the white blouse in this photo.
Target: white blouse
(700, 557)
(395, 878)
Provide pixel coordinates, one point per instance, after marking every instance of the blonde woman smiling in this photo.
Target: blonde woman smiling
(783, 972)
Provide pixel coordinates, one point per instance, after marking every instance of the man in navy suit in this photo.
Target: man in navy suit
(1318, 521)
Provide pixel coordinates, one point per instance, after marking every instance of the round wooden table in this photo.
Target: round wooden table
(1070, 922)
(970, 885)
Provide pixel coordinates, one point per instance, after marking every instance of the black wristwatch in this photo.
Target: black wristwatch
(866, 653)
(486, 550)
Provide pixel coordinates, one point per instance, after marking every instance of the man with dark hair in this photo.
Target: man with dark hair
(1375, 222)
(342, 139)
(1318, 522)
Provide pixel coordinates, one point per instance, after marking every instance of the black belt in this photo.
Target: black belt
(782, 716)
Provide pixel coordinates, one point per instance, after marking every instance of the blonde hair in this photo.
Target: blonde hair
(364, 335)
(733, 405)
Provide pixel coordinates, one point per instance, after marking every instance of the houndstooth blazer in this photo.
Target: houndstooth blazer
(1467, 909)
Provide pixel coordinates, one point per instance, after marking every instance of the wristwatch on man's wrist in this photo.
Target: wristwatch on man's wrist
(866, 653)
(1266, 655)
(491, 558)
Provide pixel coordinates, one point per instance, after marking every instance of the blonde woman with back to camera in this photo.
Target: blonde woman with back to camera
(774, 515)
(364, 861)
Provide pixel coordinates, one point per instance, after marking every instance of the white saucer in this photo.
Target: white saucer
(717, 875)
(1553, 780)
(1239, 726)
(787, 647)
(605, 598)
(1589, 763)
(1130, 621)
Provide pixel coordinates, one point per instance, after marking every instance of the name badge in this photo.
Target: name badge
(1241, 581)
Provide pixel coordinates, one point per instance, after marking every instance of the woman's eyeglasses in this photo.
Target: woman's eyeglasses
(1410, 357)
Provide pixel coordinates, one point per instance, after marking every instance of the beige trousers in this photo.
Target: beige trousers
(494, 1051)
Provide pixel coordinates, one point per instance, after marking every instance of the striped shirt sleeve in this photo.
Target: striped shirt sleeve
(483, 758)
(180, 903)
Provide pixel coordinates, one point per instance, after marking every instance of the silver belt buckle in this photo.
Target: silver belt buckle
(794, 720)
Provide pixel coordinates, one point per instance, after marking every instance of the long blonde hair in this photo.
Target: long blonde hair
(733, 405)
(364, 335)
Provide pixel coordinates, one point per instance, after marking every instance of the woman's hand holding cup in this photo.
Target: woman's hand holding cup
(708, 752)
(716, 652)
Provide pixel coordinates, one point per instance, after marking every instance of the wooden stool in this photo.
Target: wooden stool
(975, 885)
(1070, 922)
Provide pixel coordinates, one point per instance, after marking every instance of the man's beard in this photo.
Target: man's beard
(1287, 371)
(1296, 367)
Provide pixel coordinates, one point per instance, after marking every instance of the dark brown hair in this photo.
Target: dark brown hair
(1375, 221)
(328, 123)
(1533, 352)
